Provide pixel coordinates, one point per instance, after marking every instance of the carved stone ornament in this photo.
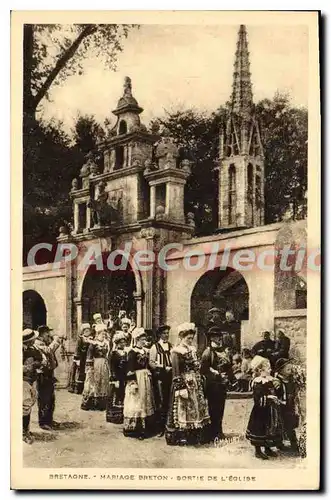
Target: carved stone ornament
(149, 233)
(185, 165)
(166, 153)
(190, 219)
(159, 212)
(74, 184)
(63, 231)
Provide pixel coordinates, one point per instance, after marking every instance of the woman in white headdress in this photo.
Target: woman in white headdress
(188, 419)
(117, 364)
(139, 405)
(96, 387)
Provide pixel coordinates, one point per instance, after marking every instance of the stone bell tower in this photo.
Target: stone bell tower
(241, 159)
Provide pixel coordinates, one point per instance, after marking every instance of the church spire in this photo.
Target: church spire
(242, 95)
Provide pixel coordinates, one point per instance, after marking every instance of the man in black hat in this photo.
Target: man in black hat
(32, 360)
(47, 343)
(287, 395)
(264, 347)
(282, 345)
(216, 368)
(160, 363)
(232, 330)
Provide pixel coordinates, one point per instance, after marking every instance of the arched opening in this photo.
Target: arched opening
(228, 291)
(122, 128)
(119, 157)
(34, 310)
(107, 291)
(232, 195)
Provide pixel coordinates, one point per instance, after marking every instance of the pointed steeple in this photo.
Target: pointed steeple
(242, 95)
(241, 159)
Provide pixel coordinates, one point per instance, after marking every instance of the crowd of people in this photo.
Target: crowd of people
(150, 386)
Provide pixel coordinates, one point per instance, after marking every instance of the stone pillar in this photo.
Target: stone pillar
(174, 208)
(240, 193)
(253, 196)
(68, 301)
(129, 155)
(79, 312)
(125, 156)
(148, 234)
(261, 223)
(167, 199)
(138, 299)
(152, 202)
(76, 217)
(88, 217)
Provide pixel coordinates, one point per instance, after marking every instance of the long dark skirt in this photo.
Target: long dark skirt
(77, 378)
(265, 426)
(115, 403)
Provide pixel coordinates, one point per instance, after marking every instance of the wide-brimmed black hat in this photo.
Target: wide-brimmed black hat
(162, 328)
(213, 331)
(44, 329)
(280, 363)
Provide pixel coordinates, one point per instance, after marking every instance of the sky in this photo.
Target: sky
(185, 66)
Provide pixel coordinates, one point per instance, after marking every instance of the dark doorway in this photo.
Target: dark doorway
(226, 290)
(107, 290)
(34, 310)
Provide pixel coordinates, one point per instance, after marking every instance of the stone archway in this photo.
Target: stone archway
(34, 310)
(107, 290)
(225, 289)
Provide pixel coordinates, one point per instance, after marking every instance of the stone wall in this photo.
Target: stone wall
(53, 285)
(294, 323)
(180, 283)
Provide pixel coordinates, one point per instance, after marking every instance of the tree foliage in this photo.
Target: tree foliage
(285, 132)
(52, 52)
(285, 137)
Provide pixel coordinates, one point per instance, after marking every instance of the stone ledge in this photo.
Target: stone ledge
(290, 313)
(239, 395)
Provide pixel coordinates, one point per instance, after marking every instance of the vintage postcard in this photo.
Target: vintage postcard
(165, 250)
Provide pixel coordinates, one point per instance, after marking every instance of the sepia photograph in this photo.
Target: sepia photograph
(166, 270)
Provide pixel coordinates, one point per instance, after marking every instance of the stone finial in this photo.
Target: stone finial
(149, 166)
(94, 169)
(88, 166)
(63, 231)
(159, 212)
(185, 165)
(102, 186)
(127, 86)
(166, 153)
(74, 184)
(190, 219)
(85, 170)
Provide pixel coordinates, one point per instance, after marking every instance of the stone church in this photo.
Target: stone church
(137, 197)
